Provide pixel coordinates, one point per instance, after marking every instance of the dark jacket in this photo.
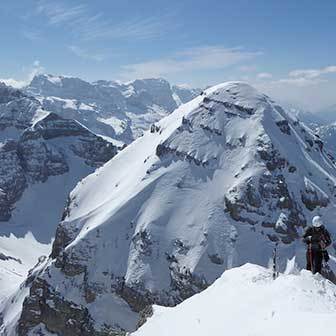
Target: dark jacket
(317, 238)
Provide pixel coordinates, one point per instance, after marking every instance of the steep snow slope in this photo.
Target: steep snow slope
(212, 186)
(246, 301)
(122, 111)
(17, 256)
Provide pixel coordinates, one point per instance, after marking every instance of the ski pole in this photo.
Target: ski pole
(311, 258)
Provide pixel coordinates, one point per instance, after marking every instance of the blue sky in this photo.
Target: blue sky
(286, 48)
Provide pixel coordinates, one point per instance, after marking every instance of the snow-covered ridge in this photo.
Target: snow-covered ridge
(247, 301)
(212, 186)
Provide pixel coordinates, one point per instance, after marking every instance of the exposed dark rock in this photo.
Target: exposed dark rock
(44, 305)
(63, 237)
(142, 243)
(6, 257)
(144, 315)
(95, 150)
(272, 158)
(216, 259)
(292, 169)
(284, 126)
(40, 160)
(69, 266)
(154, 128)
(32, 157)
(312, 201)
(12, 178)
(185, 283)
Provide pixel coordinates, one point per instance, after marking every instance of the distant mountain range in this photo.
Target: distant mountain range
(120, 111)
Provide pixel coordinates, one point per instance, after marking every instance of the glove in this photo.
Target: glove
(308, 239)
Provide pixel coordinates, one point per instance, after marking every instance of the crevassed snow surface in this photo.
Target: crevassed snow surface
(246, 301)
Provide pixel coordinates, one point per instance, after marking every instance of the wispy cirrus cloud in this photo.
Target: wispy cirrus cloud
(86, 54)
(58, 13)
(32, 35)
(198, 59)
(92, 26)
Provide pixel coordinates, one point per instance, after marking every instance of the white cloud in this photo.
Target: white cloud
(58, 13)
(312, 73)
(194, 59)
(82, 53)
(299, 81)
(300, 77)
(88, 26)
(264, 75)
(32, 71)
(312, 94)
(13, 82)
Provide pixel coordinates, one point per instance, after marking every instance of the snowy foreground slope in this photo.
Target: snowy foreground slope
(246, 301)
(212, 186)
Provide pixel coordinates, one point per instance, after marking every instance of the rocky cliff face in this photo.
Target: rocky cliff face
(122, 111)
(216, 184)
(40, 152)
(43, 156)
(17, 110)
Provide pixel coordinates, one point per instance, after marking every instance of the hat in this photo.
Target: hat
(317, 221)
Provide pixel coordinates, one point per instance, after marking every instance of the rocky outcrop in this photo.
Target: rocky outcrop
(13, 179)
(61, 317)
(16, 109)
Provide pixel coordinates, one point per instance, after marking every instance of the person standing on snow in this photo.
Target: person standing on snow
(317, 239)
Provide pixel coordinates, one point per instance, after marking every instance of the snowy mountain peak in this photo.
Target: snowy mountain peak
(50, 85)
(213, 185)
(238, 93)
(7, 93)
